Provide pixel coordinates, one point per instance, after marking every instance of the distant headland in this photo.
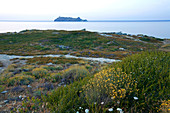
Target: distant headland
(69, 19)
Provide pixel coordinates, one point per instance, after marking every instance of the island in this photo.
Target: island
(69, 19)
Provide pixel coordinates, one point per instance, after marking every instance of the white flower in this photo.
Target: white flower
(110, 109)
(120, 110)
(102, 102)
(136, 98)
(20, 96)
(95, 103)
(80, 107)
(86, 110)
(77, 112)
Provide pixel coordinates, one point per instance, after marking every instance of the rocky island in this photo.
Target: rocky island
(69, 19)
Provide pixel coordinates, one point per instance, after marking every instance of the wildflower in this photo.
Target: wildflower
(136, 98)
(120, 110)
(110, 109)
(102, 102)
(77, 112)
(113, 97)
(80, 107)
(20, 96)
(95, 103)
(86, 110)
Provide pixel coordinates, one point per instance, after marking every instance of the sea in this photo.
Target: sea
(158, 29)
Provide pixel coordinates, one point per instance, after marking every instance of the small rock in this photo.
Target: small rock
(50, 64)
(17, 71)
(3, 92)
(25, 70)
(20, 97)
(6, 101)
(17, 89)
(29, 86)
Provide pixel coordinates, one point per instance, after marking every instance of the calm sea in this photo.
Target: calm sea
(156, 29)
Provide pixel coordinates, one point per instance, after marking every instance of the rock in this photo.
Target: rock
(20, 97)
(6, 101)
(25, 70)
(17, 89)
(29, 86)
(49, 64)
(16, 72)
(3, 92)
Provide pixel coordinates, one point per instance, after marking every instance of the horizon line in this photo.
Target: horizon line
(137, 20)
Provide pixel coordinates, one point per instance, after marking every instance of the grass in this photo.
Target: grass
(65, 42)
(127, 88)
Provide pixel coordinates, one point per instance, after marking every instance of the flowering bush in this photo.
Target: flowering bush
(20, 80)
(110, 86)
(39, 72)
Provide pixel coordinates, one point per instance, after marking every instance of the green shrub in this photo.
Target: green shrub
(59, 67)
(74, 73)
(66, 99)
(1, 64)
(151, 70)
(110, 86)
(20, 80)
(39, 72)
(2, 87)
(55, 77)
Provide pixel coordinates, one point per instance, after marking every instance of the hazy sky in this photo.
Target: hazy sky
(86, 9)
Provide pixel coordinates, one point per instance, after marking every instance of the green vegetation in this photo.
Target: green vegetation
(138, 83)
(39, 72)
(112, 88)
(80, 43)
(54, 60)
(75, 73)
(1, 64)
(20, 80)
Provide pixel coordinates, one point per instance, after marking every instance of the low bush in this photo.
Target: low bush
(39, 72)
(20, 80)
(1, 64)
(55, 77)
(74, 73)
(113, 88)
(151, 71)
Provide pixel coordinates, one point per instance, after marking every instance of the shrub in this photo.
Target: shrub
(75, 73)
(39, 72)
(1, 64)
(2, 87)
(59, 67)
(11, 67)
(31, 105)
(151, 70)
(111, 86)
(66, 99)
(55, 77)
(20, 80)
(29, 67)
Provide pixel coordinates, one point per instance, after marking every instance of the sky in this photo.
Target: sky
(86, 9)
